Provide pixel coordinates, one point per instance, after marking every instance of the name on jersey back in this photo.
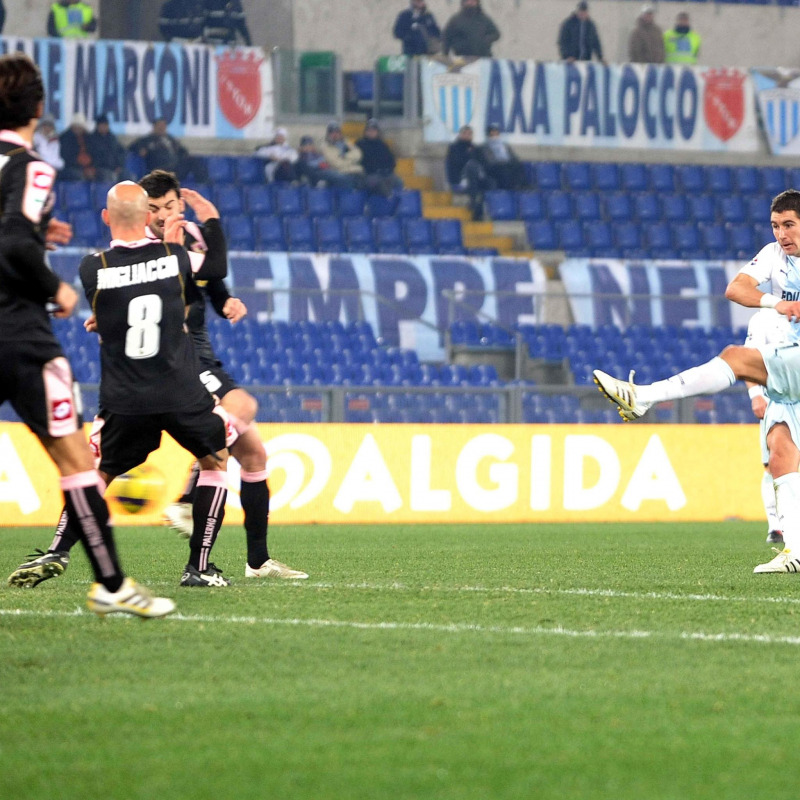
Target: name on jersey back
(157, 269)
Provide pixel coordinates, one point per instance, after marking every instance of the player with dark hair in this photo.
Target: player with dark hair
(166, 196)
(35, 376)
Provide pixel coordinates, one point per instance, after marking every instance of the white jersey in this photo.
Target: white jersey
(767, 326)
(772, 265)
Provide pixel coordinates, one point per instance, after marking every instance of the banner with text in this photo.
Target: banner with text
(201, 91)
(778, 96)
(451, 473)
(682, 293)
(643, 106)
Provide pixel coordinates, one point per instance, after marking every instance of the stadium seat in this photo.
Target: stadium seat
(547, 175)
(228, 199)
(662, 177)
(221, 169)
(577, 176)
(288, 201)
(606, 177)
(587, 205)
(100, 193)
(530, 205)
(328, 235)
(627, 235)
(239, 232)
(559, 206)
(757, 207)
(258, 199)
(500, 204)
(377, 205)
(249, 170)
(298, 232)
(541, 234)
(732, 208)
(388, 233)
(86, 228)
(701, 208)
(269, 233)
(618, 206)
(719, 179)
(409, 203)
(447, 236)
(358, 234)
(691, 178)
(746, 180)
(75, 196)
(714, 239)
(634, 177)
(674, 207)
(418, 235)
(318, 201)
(646, 207)
(350, 202)
(658, 238)
(570, 237)
(599, 238)
(773, 180)
(687, 239)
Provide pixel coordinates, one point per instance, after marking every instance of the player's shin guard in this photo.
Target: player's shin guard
(787, 502)
(207, 514)
(87, 512)
(254, 495)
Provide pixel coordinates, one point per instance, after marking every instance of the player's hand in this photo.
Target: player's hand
(790, 309)
(58, 232)
(234, 309)
(203, 209)
(759, 406)
(65, 298)
(90, 324)
(173, 228)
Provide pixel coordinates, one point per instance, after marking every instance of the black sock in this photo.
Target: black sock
(191, 484)
(254, 495)
(67, 535)
(208, 512)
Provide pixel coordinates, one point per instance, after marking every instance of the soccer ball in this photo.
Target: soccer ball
(139, 491)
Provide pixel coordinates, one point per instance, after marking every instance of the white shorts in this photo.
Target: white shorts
(788, 413)
(783, 372)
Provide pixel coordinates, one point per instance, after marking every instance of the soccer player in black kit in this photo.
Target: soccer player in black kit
(35, 376)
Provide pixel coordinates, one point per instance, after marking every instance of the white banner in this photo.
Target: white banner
(654, 107)
(778, 94)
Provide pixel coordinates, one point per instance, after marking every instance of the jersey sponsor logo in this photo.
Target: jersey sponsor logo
(61, 409)
(157, 269)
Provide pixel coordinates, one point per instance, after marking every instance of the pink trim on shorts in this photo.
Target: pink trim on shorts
(253, 477)
(212, 477)
(81, 480)
(62, 416)
(231, 434)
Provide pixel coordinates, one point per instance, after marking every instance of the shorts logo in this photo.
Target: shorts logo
(61, 410)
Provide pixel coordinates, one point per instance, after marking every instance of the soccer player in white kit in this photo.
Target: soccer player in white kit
(777, 367)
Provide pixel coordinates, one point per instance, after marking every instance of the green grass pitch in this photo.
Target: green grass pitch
(426, 662)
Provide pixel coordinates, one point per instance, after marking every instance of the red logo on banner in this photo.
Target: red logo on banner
(61, 410)
(724, 102)
(239, 86)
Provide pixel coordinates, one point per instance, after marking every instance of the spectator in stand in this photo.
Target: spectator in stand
(681, 43)
(224, 22)
(162, 151)
(504, 168)
(417, 30)
(280, 157)
(74, 142)
(378, 162)
(69, 19)
(578, 39)
(47, 144)
(181, 20)
(646, 43)
(108, 155)
(342, 156)
(311, 167)
(470, 32)
(466, 170)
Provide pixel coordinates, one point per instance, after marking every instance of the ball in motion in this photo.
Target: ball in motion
(138, 491)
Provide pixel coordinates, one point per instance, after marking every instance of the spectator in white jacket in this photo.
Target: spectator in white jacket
(46, 143)
(280, 157)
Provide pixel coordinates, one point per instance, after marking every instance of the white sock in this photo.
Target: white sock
(787, 501)
(708, 378)
(768, 498)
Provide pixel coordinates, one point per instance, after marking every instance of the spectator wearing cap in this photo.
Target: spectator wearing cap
(377, 161)
(47, 144)
(280, 157)
(106, 151)
(74, 142)
(342, 156)
(466, 170)
(503, 166)
(416, 28)
(311, 167)
(646, 43)
(578, 39)
(470, 32)
(681, 43)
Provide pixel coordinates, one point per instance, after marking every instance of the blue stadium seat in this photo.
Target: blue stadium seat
(547, 175)
(377, 205)
(570, 237)
(634, 177)
(674, 207)
(358, 234)
(288, 201)
(298, 232)
(258, 199)
(618, 206)
(627, 235)
(500, 204)
(719, 179)
(221, 169)
(388, 233)
(701, 208)
(269, 233)
(658, 238)
(599, 238)
(646, 207)
(350, 202)
(606, 177)
(732, 208)
(715, 239)
(757, 207)
(687, 239)
(773, 180)
(418, 235)
(318, 201)
(577, 176)
(530, 206)
(741, 240)
(228, 199)
(75, 196)
(239, 232)
(328, 235)
(249, 170)
(662, 177)
(447, 236)
(559, 206)
(746, 180)
(409, 203)
(87, 230)
(100, 193)
(587, 205)
(691, 178)
(541, 234)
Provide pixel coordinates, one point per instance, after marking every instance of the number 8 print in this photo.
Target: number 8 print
(143, 338)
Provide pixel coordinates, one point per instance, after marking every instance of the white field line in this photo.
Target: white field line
(457, 628)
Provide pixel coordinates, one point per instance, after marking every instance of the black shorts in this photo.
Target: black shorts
(36, 378)
(216, 380)
(123, 441)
